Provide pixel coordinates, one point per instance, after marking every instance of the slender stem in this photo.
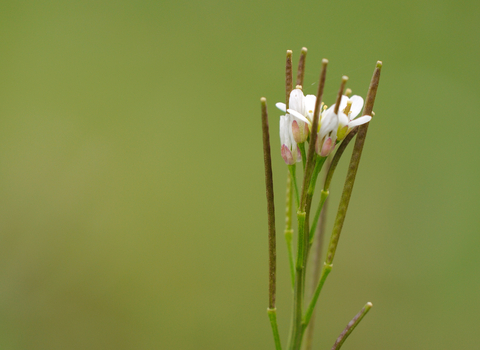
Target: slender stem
(288, 77)
(311, 189)
(353, 167)
(271, 213)
(323, 199)
(298, 290)
(308, 314)
(347, 191)
(340, 94)
(293, 175)
(291, 259)
(288, 226)
(313, 136)
(318, 167)
(317, 233)
(298, 293)
(301, 66)
(351, 326)
(288, 236)
(336, 158)
(301, 240)
(297, 331)
(288, 202)
(302, 152)
(272, 315)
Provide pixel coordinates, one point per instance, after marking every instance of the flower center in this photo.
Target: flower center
(347, 108)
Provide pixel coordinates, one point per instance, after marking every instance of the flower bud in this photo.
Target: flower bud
(327, 134)
(289, 150)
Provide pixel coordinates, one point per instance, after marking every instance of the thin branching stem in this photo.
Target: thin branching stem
(353, 167)
(293, 175)
(288, 226)
(317, 232)
(301, 66)
(347, 191)
(290, 178)
(298, 294)
(272, 315)
(337, 156)
(271, 223)
(288, 77)
(351, 326)
(313, 136)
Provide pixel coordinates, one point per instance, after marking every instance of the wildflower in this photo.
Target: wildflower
(302, 120)
(290, 151)
(349, 109)
(327, 132)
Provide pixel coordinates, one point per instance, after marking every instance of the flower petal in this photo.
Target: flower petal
(327, 147)
(357, 105)
(343, 102)
(286, 136)
(287, 155)
(281, 106)
(296, 101)
(297, 115)
(342, 120)
(360, 121)
(310, 106)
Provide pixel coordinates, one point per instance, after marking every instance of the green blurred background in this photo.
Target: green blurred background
(132, 203)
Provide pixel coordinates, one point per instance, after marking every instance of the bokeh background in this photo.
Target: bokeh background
(132, 203)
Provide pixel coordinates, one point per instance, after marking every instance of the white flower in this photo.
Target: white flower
(327, 133)
(290, 151)
(302, 119)
(349, 109)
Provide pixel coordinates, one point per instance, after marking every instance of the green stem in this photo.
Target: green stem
(318, 167)
(296, 333)
(337, 156)
(301, 241)
(323, 198)
(272, 315)
(353, 167)
(351, 326)
(310, 164)
(288, 226)
(298, 290)
(296, 336)
(291, 259)
(293, 172)
(347, 191)
(308, 315)
(308, 203)
(318, 233)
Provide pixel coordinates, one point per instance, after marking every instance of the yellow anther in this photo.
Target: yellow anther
(348, 92)
(298, 87)
(347, 109)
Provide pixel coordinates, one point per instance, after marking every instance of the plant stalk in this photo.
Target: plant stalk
(351, 326)
(271, 219)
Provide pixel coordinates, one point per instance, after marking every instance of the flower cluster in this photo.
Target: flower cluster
(306, 119)
(296, 124)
